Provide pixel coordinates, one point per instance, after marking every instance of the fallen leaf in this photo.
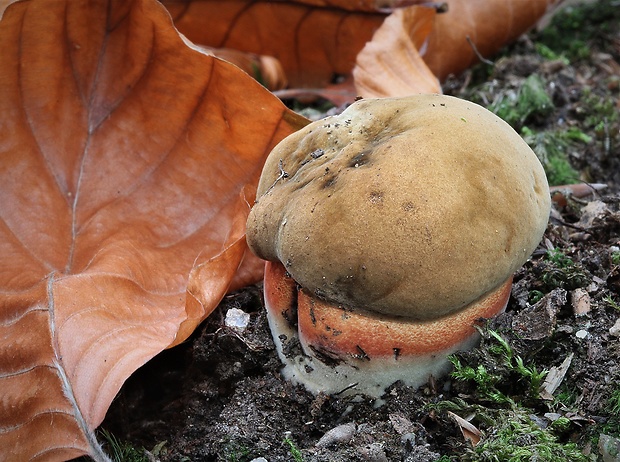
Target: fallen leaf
(318, 41)
(415, 49)
(128, 164)
(390, 64)
(314, 41)
(536, 323)
(469, 431)
(266, 69)
(562, 193)
(593, 212)
(474, 28)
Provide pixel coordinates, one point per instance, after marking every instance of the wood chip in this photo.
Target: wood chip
(469, 431)
(554, 378)
(580, 301)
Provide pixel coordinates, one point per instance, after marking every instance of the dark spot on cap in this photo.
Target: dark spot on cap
(360, 159)
(376, 197)
(328, 181)
(408, 206)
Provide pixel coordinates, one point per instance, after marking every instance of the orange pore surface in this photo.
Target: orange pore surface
(280, 291)
(344, 332)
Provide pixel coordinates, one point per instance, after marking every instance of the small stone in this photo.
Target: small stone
(340, 434)
(259, 459)
(237, 319)
(615, 329)
(609, 448)
(582, 333)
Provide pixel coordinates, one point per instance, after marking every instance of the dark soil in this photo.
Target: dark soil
(219, 396)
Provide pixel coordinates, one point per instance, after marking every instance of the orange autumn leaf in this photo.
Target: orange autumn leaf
(312, 43)
(390, 64)
(318, 40)
(473, 28)
(128, 163)
(415, 48)
(266, 69)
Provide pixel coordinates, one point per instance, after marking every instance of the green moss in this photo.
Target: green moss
(574, 29)
(444, 459)
(236, 452)
(598, 110)
(610, 427)
(560, 271)
(614, 402)
(504, 398)
(517, 438)
(121, 451)
(505, 364)
(552, 147)
(611, 302)
(565, 397)
(547, 53)
(559, 258)
(535, 296)
(295, 452)
(530, 101)
(512, 435)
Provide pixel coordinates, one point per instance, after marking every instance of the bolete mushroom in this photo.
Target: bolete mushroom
(390, 230)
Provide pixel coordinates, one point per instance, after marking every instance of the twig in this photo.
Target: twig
(480, 57)
(283, 174)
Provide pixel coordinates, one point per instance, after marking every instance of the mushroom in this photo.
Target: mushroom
(390, 231)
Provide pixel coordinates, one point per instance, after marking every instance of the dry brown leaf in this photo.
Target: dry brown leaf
(312, 44)
(473, 28)
(360, 5)
(414, 47)
(390, 64)
(127, 162)
(469, 431)
(316, 40)
(560, 194)
(266, 69)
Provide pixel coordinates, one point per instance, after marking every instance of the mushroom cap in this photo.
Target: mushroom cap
(412, 207)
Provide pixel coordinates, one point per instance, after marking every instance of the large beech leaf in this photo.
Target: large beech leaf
(315, 40)
(127, 165)
(312, 43)
(416, 47)
(474, 28)
(391, 64)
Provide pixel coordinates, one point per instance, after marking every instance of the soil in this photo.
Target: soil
(220, 397)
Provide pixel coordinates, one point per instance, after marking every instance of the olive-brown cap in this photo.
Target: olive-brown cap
(411, 206)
